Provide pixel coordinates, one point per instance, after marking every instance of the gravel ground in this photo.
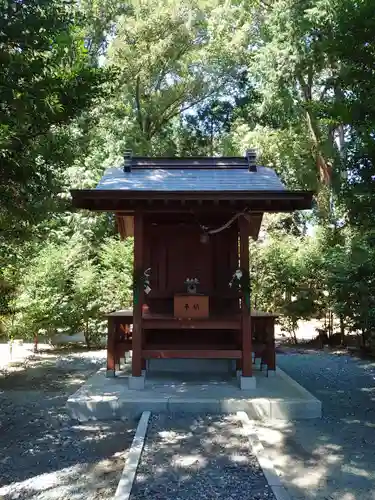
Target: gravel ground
(333, 457)
(189, 457)
(44, 454)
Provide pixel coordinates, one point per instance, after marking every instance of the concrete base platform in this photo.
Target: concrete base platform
(247, 383)
(278, 397)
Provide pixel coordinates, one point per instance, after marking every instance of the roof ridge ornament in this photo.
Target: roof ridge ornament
(128, 157)
(251, 157)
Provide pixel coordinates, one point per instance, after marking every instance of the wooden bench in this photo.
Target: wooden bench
(120, 337)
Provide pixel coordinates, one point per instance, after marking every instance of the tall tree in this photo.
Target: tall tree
(172, 55)
(45, 81)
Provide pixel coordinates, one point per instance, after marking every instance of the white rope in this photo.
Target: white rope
(225, 226)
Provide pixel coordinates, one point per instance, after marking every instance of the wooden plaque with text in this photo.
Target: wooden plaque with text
(191, 306)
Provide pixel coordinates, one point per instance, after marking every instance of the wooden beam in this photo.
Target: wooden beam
(122, 348)
(125, 225)
(247, 368)
(185, 207)
(270, 339)
(187, 344)
(305, 197)
(191, 162)
(198, 324)
(255, 221)
(129, 205)
(211, 292)
(111, 347)
(191, 353)
(138, 295)
(129, 225)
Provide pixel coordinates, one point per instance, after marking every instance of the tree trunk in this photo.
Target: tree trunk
(294, 336)
(87, 340)
(86, 333)
(323, 167)
(342, 330)
(330, 323)
(364, 338)
(36, 343)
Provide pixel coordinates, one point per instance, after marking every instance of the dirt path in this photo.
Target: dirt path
(45, 455)
(15, 354)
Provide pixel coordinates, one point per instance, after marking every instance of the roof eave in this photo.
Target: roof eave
(193, 195)
(286, 200)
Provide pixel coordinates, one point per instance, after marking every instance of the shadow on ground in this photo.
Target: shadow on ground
(44, 453)
(332, 457)
(190, 457)
(42, 448)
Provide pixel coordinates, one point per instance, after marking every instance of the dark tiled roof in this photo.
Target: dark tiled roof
(191, 174)
(141, 182)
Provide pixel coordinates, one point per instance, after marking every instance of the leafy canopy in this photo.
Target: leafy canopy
(45, 81)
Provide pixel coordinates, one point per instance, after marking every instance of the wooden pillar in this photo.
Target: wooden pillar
(111, 346)
(138, 296)
(247, 364)
(270, 335)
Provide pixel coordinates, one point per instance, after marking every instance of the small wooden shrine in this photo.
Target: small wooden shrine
(191, 219)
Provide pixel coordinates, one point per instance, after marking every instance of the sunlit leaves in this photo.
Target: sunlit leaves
(172, 55)
(45, 81)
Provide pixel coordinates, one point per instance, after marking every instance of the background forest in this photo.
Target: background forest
(81, 82)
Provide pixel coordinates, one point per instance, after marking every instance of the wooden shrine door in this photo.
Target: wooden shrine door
(176, 252)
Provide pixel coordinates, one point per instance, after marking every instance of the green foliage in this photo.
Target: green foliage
(169, 56)
(98, 18)
(350, 277)
(116, 265)
(285, 278)
(45, 81)
(286, 150)
(70, 287)
(85, 301)
(81, 83)
(42, 300)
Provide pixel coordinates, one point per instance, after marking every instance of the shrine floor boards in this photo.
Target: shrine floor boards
(275, 398)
